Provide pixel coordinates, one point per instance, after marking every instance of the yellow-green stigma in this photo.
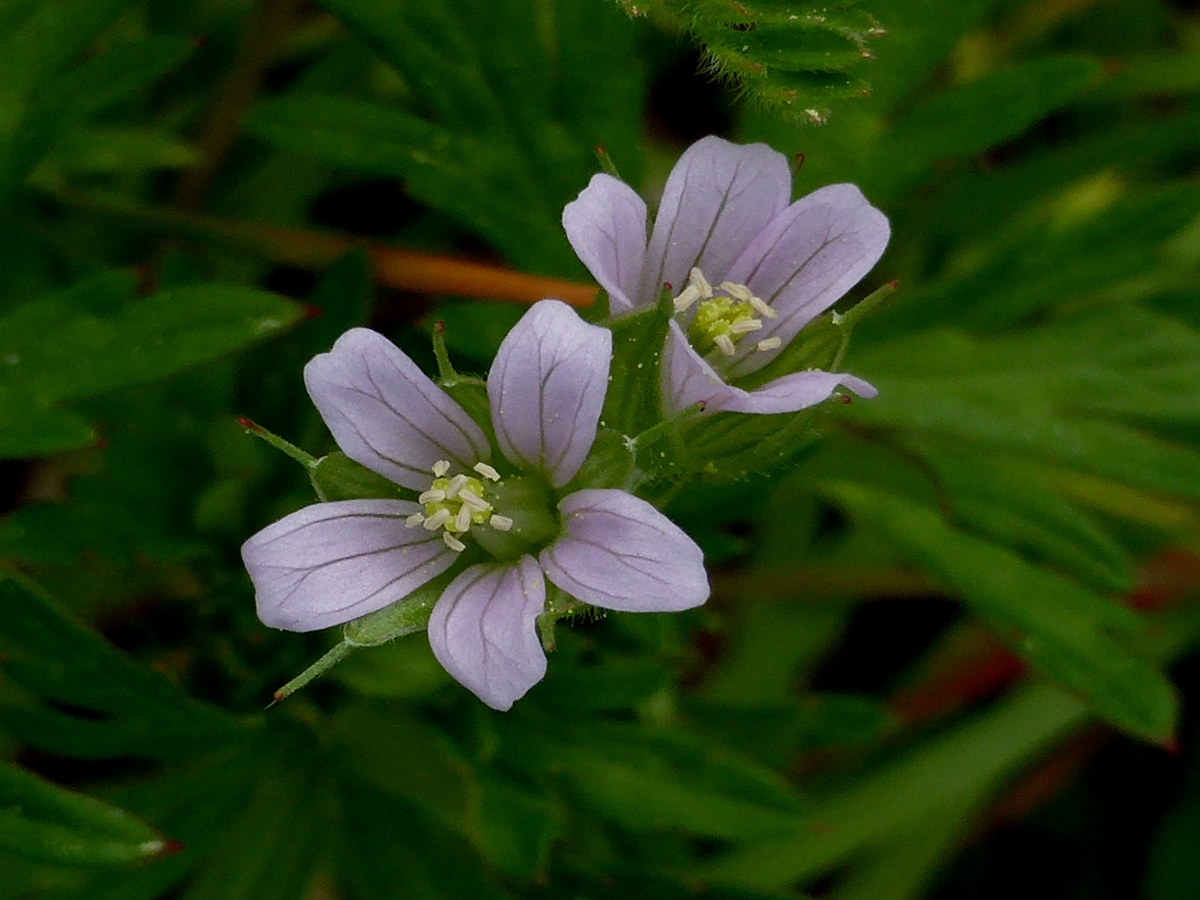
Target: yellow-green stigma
(722, 319)
(454, 503)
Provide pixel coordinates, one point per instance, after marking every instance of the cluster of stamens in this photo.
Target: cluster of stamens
(724, 315)
(455, 503)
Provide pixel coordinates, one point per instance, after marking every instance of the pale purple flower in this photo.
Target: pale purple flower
(333, 562)
(747, 268)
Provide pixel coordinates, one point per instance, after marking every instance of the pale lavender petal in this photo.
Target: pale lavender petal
(805, 260)
(606, 226)
(333, 562)
(547, 388)
(484, 630)
(686, 379)
(387, 414)
(790, 393)
(717, 199)
(619, 552)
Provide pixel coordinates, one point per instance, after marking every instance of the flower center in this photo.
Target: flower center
(723, 316)
(454, 503)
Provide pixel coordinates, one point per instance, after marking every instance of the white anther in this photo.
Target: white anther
(414, 520)
(453, 543)
(737, 291)
(440, 468)
(697, 280)
(472, 502)
(433, 495)
(745, 326)
(724, 343)
(487, 471)
(501, 523)
(689, 296)
(457, 483)
(463, 520)
(437, 520)
(760, 307)
(770, 344)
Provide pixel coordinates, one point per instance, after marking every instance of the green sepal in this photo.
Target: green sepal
(634, 400)
(819, 346)
(405, 617)
(731, 446)
(822, 344)
(608, 465)
(338, 477)
(401, 618)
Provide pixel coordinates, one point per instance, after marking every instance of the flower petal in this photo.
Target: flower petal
(806, 259)
(688, 380)
(717, 199)
(606, 226)
(547, 388)
(333, 562)
(790, 393)
(483, 630)
(619, 552)
(387, 414)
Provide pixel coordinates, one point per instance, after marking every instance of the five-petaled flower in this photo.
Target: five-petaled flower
(747, 269)
(332, 562)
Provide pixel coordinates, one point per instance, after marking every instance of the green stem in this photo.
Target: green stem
(305, 459)
(335, 655)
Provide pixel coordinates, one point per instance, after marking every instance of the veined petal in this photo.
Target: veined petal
(547, 388)
(619, 552)
(606, 226)
(790, 393)
(483, 630)
(717, 199)
(333, 562)
(806, 259)
(687, 380)
(387, 414)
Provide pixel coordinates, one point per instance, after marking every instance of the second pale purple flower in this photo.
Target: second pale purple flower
(332, 562)
(747, 269)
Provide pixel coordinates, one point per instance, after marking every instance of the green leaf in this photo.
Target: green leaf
(96, 337)
(793, 56)
(272, 848)
(503, 114)
(392, 850)
(1051, 392)
(1006, 501)
(647, 779)
(992, 109)
(901, 794)
(1066, 631)
(131, 710)
(48, 823)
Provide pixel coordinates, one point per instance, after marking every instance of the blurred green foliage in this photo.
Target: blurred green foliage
(1031, 466)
